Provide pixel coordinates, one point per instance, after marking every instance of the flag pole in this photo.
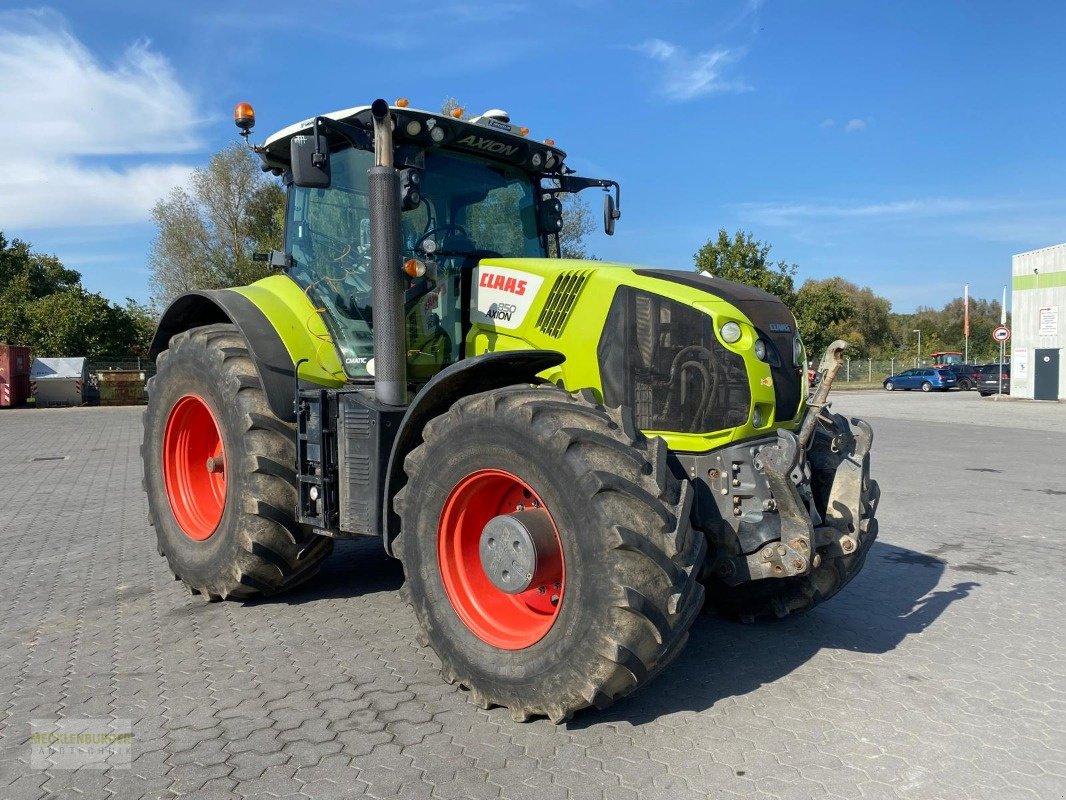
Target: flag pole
(966, 322)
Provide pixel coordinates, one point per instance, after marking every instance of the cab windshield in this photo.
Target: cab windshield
(470, 209)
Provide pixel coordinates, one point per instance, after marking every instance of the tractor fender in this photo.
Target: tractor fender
(472, 375)
(268, 351)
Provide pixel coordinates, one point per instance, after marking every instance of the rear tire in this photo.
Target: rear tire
(927, 386)
(240, 539)
(965, 384)
(628, 592)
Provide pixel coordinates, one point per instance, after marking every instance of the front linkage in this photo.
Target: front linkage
(789, 518)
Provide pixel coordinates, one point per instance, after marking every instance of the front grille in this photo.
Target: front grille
(766, 312)
(661, 359)
(561, 301)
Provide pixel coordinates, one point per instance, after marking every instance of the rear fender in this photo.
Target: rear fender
(470, 376)
(280, 325)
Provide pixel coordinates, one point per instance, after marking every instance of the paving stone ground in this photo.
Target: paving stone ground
(939, 673)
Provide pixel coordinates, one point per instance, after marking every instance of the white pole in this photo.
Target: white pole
(966, 323)
(892, 367)
(1002, 345)
(848, 378)
(871, 370)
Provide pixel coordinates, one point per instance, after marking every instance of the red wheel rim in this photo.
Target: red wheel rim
(194, 467)
(506, 621)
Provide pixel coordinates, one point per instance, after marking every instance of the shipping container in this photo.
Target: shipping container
(14, 374)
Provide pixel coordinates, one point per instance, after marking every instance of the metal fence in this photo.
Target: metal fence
(873, 370)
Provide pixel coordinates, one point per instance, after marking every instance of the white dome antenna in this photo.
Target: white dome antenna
(497, 114)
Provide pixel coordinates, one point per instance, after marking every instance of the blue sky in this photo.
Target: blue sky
(908, 146)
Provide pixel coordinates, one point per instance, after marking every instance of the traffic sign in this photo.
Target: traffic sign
(1001, 334)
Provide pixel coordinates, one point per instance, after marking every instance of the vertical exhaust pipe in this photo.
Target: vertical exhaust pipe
(390, 345)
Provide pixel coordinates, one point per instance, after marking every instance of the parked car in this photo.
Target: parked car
(966, 375)
(988, 379)
(924, 378)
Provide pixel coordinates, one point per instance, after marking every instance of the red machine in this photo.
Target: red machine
(946, 358)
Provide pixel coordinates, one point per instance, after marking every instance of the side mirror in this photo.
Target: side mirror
(610, 214)
(310, 164)
(550, 216)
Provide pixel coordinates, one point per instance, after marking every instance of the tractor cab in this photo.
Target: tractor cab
(469, 190)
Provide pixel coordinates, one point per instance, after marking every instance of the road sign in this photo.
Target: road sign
(1001, 334)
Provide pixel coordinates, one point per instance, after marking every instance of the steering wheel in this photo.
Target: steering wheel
(448, 228)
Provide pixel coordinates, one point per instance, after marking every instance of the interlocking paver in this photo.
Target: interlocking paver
(934, 675)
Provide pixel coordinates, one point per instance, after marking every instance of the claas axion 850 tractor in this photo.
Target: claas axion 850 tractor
(567, 456)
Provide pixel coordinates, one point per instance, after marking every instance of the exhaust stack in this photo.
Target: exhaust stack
(390, 358)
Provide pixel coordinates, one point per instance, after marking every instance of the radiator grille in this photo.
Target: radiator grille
(561, 301)
(662, 359)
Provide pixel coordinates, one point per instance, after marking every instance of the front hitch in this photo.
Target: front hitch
(796, 469)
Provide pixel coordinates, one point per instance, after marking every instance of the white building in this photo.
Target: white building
(1038, 308)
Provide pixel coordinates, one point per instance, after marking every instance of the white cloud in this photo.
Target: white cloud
(796, 213)
(828, 123)
(64, 109)
(686, 75)
(855, 125)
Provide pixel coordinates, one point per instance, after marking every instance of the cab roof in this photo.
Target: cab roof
(490, 135)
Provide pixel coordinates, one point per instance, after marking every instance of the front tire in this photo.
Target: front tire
(219, 472)
(627, 555)
(890, 387)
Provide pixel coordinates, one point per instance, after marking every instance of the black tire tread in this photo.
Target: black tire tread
(277, 553)
(622, 469)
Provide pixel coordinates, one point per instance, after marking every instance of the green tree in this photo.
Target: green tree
(823, 308)
(144, 318)
(207, 232)
(744, 259)
(74, 322)
(44, 305)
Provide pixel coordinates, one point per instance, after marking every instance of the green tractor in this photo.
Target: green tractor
(568, 457)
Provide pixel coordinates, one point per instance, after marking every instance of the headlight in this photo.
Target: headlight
(758, 419)
(536, 160)
(731, 333)
(414, 127)
(437, 134)
(797, 350)
(760, 349)
(549, 161)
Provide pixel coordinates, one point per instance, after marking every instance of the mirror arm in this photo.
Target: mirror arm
(573, 184)
(356, 137)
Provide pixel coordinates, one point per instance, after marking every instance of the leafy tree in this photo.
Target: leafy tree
(43, 305)
(207, 232)
(76, 322)
(835, 308)
(144, 319)
(822, 310)
(745, 260)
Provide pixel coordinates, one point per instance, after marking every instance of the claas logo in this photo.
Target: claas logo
(504, 283)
